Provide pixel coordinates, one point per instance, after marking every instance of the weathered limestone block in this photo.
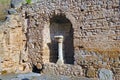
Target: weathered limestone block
(105, 74)
(39, 66)
(66, 69)
(24, 68)
(17, 3)
(91, 73)
(12, 11)
(13, 44)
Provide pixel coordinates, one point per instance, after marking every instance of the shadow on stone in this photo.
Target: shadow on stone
(36, 70)
(25, 79)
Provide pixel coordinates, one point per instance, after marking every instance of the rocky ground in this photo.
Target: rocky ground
(35, 76)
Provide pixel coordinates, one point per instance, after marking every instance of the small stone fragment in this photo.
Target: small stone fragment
(105, 74)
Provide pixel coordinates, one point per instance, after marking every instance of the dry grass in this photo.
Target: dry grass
(4, 5)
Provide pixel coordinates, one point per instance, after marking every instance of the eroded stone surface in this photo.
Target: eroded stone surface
(91, 73)
(12, 44)
(105, 74)
(65, 69)
(95, 31)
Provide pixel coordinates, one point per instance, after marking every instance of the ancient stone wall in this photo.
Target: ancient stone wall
(96, 30)
(68, 70)
(13, 52)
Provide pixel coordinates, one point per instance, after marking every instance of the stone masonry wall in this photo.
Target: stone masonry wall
(96, 25)
(68, 70)
(13, 53)
(96, 35)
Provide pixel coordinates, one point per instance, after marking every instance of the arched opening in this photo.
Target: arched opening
(60, 25)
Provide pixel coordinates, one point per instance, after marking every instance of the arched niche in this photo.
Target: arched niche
(60, 25)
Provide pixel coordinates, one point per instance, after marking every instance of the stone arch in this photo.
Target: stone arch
(59, 25)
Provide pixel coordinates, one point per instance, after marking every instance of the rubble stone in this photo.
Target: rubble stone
(91, 73)
(105, 74)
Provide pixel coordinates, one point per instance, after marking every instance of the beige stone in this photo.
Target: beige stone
(12, 44)
(21, 67)
(39, 66)
(91, 73)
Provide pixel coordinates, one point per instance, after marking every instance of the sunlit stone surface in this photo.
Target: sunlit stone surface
(60, 49)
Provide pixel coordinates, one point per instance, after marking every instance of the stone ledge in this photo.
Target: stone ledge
(65, 69)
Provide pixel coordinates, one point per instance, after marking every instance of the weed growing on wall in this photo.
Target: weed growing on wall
(28, 1)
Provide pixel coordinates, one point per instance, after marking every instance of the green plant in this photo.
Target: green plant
(28, 1)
